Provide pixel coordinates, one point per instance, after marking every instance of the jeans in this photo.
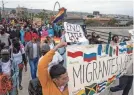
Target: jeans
(14, 91)
(125, 84)
(20, 76)
(33, 67)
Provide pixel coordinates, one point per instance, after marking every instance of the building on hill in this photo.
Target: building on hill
(97, 21)
(21, 12)
(96, 13)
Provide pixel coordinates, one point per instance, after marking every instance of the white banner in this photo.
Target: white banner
(93, 68)
(74, 33)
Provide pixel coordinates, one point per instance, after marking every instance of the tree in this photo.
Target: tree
(90, 16)
(92, 22)
(43, 15)
(112, 22)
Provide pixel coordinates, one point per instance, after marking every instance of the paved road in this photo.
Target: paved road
(25, 82)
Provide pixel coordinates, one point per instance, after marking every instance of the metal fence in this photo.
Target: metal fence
(105, 36)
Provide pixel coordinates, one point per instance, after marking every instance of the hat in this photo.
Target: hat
(34, 35)
(4, 51)
(45, 47)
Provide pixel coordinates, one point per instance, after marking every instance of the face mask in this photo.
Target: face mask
(5, 58)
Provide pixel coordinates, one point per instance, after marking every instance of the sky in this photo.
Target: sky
(124, 7)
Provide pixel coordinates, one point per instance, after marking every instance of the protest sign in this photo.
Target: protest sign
(93, 68)
(74, 33)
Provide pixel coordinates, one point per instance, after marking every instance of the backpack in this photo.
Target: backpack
(34, 87)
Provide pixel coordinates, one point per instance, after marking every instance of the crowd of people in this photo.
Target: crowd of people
(20, 44)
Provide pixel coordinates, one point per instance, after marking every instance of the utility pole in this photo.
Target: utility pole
(0, 14)
(3, 8)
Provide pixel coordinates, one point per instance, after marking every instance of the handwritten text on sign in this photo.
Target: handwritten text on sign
(91, 71)
(74, 33)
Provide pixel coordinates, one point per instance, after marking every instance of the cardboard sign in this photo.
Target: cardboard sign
(74, 33)
(93, 68)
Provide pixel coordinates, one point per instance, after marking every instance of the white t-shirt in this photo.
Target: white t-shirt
(17, 57)
(34, 50)
(6, 68)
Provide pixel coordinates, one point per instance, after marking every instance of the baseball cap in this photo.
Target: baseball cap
(4, 51)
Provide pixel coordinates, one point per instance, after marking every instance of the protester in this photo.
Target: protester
(9, 68)
(115, 40)
(18, 55)
(28, 35)
(125, 82)
(33, 52)
(15, 33)
(4, 37)
(55, 81)
(93, 39)
(131, 35)
(98, 40)
(22, 34)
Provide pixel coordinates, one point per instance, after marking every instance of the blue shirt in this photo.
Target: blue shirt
(22, 32)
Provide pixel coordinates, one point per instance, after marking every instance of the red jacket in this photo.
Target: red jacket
(28, 36)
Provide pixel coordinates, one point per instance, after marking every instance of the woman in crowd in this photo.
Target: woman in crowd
(18, 54)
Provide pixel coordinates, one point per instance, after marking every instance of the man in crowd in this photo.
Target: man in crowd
(53, 82)
(4, 37)
(33, 52)
(9, 68)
